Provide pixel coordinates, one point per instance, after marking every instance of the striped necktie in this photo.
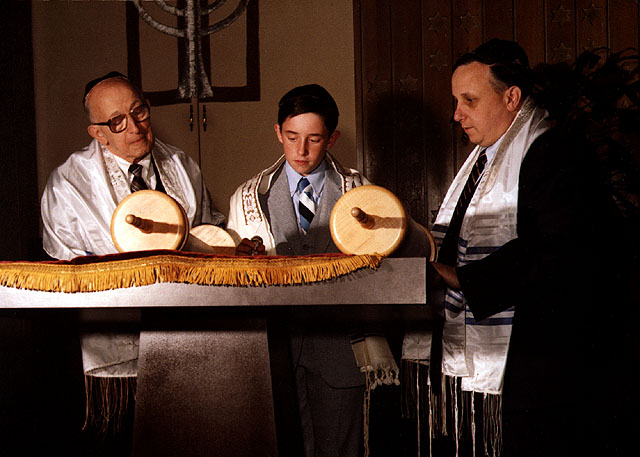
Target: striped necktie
(138, 183)
(449, 250)
(306, 205)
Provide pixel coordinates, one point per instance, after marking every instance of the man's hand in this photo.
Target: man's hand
(251, 246)
(444, 274)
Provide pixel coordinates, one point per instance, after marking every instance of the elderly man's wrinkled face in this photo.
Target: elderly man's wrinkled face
(483, 113)
(109, 99)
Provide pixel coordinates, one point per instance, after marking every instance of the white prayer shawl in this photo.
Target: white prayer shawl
(475, 352)
(81, 195)
(77, 204)
(246, 217)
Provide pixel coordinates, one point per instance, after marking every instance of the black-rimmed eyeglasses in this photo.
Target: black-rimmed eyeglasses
(119, 123)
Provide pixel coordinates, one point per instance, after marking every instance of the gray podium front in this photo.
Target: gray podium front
(206, 381)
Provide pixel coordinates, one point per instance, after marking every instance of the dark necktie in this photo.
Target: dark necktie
(138, 183)
(306, 205)
(449, 250)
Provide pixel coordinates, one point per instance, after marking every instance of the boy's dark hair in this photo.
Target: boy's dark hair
(508, 61)
(311, 98)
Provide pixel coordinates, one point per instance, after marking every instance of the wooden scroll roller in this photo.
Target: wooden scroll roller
(371, 220)
(365, 220)
(149, 219)
(145, 225)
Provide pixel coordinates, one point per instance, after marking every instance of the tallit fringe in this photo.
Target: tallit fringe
(374, 357)
(451, 413)
(227, 271)
(386, 375)
(107, 401)
(492, 431)
(366, 408)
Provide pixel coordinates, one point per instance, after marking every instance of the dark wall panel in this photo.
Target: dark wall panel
(408, 160)
(376, 90)
(560, 31)
(622, 24)
(437, 133)
(530, 28)
(498, 20)
(591, 26)
(467, 35)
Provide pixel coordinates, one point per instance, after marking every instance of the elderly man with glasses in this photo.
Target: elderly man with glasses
(82, 194)
(124, 156)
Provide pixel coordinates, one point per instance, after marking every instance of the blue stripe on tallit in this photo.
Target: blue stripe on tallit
(466, 254)
(454, 301)
(485, 250)
(502, 318)
(454, 309)
(439, 228)
(491, 321)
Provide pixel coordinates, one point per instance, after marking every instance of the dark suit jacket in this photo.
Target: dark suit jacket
(553, 275)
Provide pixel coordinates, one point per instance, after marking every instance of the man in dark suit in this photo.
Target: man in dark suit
(522, 284)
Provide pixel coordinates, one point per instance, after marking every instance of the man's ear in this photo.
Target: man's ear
(96, 133)
(276, 127)
(513, 98)
(333, 138)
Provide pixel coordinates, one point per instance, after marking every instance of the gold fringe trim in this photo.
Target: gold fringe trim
(221, 271)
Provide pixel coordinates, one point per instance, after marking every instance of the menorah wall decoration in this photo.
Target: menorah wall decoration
(192, 32)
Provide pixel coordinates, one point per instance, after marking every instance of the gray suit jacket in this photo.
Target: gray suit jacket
(319, 343)
(278, 208)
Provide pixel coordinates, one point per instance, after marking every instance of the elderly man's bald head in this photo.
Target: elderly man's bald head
(109, 77)
(116, 102)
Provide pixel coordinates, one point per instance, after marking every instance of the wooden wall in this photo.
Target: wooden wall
(405, 50)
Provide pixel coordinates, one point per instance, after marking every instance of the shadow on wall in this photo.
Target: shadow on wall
(598, 98)
(403, 139)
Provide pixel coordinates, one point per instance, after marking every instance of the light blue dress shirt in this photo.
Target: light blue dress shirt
(316, 178)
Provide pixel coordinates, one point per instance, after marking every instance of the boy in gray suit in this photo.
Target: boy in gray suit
(289, 205)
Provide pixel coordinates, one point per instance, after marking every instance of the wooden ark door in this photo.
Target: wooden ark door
(405, 50)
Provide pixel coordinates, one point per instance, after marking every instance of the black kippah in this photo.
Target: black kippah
(94, 82)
